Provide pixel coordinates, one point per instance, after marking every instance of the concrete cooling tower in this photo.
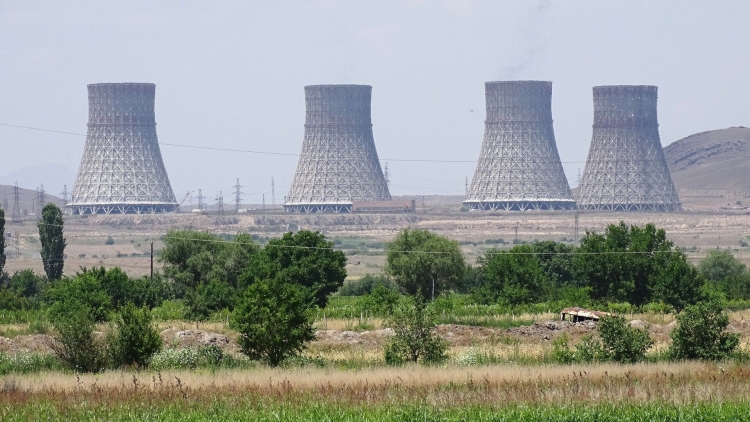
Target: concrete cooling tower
(122, 171)
(339, 164)
(519, 167)
(625, 169)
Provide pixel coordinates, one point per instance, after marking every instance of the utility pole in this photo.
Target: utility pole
(237, 197)
(424, 209)
(264, 203)
(152, 261)
(576, 228)
(273, 194)
(515, 242)
(18, 248)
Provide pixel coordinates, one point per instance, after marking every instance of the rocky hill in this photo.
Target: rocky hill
(714, 160)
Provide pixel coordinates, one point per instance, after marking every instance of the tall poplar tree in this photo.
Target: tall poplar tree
(2, 240)
(53, 242)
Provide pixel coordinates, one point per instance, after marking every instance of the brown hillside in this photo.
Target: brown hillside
(713, 160)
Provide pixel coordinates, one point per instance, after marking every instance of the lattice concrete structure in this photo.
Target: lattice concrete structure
(519, 167)
(122, 171)
(625, 169)
(339, 164)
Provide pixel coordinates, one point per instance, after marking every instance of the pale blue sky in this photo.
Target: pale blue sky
(231, 74)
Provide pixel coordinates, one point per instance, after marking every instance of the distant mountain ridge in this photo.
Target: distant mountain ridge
(712, 160)
(53, 176)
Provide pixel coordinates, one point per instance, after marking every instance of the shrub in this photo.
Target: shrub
(273, 320)
(366, 285)
(414, 340)
(561, 352)
(381, 300)
(700, 333)
(110, 241)
(135, 340)
(621, 342)
(75, 343)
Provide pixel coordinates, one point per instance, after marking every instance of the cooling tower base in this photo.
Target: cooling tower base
(520, 205)
(122, 209)
(632, 207)
(321, 208)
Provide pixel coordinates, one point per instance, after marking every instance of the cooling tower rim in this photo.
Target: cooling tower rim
(624, 88)
(337, 86)
(522, 82)
(118, 84)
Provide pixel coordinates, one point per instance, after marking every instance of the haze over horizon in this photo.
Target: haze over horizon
(231, 75)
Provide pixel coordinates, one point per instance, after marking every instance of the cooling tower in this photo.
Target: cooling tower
(339, 164)
(519, 167)
(121, 171)
(625, 169)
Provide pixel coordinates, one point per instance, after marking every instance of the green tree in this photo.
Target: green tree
(700, 333)
(514, 276)
(144, 291)
(193, 257)
(135, 339)
(207, 270)
(621, 342)
(423, 263)
(52, 240)
(2, 240)
(675, 281)
(84, 290)
(273, 320)
(726, 274)
(305, 257)
(557, 261)
(414, 339)
(635, 265)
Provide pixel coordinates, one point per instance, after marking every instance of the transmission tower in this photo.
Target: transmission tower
(41, 199)
(273, 193)
(5, 202)
(220, 203)
(339, 163)
(237, 197)
(16, 215)
(122, 171)
(519, 167)
(64, 194)
(200, 199)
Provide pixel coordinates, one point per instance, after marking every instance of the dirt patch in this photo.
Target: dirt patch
(26, 343)
(197, 338)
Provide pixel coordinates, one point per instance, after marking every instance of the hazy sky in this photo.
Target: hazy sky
(231, 75)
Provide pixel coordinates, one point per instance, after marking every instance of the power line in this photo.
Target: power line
(289, 154)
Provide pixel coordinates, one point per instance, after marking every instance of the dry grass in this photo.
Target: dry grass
(447, 386)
